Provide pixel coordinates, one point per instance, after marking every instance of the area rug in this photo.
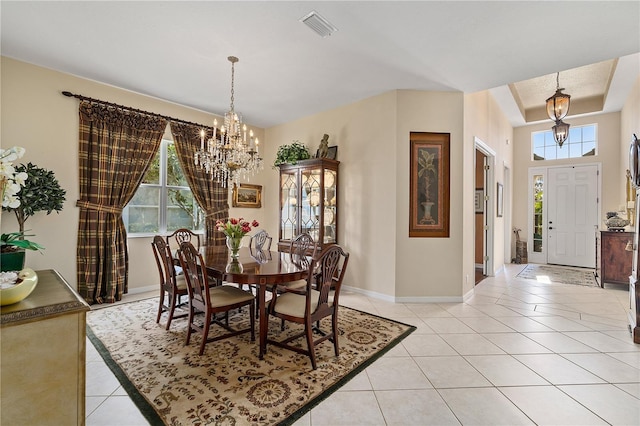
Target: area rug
(559, 274)
(229, 385)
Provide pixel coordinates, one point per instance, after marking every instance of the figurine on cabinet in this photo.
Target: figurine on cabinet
(323, 150)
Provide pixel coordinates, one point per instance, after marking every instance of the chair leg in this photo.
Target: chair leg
(334, 327)
(172, 309)
(190, 324)
(205, 332)
(310, 345)
(160, 305)
(252, 320)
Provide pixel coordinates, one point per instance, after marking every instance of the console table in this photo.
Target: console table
(42, 358)
(613, 261)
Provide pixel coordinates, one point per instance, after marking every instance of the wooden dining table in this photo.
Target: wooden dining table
(262, 269)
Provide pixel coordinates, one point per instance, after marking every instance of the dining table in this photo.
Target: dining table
(261, 269)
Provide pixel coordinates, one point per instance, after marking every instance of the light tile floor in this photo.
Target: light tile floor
(518, 352)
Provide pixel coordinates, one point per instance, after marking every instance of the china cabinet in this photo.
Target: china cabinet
(309, 201)
(634, 280)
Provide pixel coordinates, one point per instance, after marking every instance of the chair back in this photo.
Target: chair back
(327, 270)
(196, 275)
(182, 235)
(164, 261)
(302, 248)
(260, 241)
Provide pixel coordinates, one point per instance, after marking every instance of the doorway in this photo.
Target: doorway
(563, 212)
(484, 209)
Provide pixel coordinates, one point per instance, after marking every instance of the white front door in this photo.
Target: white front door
(572, 215)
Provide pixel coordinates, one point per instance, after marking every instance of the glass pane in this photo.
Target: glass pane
(538, 199)
(289, 200)
(575, 134)
(153, 173)
(589, 133)
(538, 153)
(183, 211)
(565, 151)
(175, 176)
(588, 149)
(146, 195)
(144, 219)
(538, 140)
(550, 152)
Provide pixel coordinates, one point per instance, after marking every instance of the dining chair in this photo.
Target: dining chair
(181, 235)
(301, 250)
(315, 304)
(260, 241)
(209, 296)
(172, 285)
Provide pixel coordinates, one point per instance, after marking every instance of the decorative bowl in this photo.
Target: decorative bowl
(27, 280)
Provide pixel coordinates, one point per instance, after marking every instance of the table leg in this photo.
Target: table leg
(264, 319)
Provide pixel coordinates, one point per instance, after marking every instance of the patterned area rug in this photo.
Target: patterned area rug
(559, 274)
(229, 385)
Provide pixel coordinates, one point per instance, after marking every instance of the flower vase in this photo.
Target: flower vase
(234, 244)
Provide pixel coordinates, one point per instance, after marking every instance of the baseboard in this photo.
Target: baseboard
(146, 289)
(419, 299)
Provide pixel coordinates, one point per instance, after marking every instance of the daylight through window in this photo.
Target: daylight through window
(582, 142)
(163, 202)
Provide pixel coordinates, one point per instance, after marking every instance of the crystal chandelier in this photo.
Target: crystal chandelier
(229, 155)
(557, 109)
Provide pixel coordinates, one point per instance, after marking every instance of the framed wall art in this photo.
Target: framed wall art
(247, 195)
(429, 184)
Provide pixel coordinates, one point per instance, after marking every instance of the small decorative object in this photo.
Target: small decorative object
(12, 247)
(291, 154)
(323, 149)
(235, 229)
(16, 286)
(615, 222)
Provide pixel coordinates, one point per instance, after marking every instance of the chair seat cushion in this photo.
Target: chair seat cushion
(228, 295)
(297, 284)
(181, 282)
(293, 304)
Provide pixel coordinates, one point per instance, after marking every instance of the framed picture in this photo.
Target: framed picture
(499, 197)
(479, 200)
(332, 153)
(247, 196)
(429, 184)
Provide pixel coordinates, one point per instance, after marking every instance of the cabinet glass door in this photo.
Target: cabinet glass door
(311, 202)
(330, 214)
(288, 205)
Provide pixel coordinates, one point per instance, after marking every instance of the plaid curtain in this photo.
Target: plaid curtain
(116, 148)
(210, 196)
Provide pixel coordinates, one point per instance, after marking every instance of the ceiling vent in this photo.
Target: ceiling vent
(318, 24)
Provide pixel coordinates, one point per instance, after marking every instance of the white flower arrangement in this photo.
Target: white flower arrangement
(10, 181)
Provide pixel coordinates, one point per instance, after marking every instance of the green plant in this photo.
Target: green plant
(15, 240)
(290, 154)
(41, 192)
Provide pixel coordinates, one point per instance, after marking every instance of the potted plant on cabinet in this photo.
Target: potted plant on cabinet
(291, 154)
(40, 191)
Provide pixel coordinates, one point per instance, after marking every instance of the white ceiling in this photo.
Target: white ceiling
(178, 50)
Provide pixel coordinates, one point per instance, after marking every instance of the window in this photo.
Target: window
(582, 142)
(163, 202)
(538, 192)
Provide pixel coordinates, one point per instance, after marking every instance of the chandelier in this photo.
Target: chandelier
(557, 109)
(229, 155)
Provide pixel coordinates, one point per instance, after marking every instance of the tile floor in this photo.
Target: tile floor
(518, 352)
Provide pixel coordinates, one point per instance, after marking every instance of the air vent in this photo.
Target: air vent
(318, 24)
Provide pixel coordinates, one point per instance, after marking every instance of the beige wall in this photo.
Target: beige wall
(365, 135)
(36, 116)
(612, 172)
(484, 120)
(629, 124)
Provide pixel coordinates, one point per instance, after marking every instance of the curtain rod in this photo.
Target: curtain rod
(86, 98)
